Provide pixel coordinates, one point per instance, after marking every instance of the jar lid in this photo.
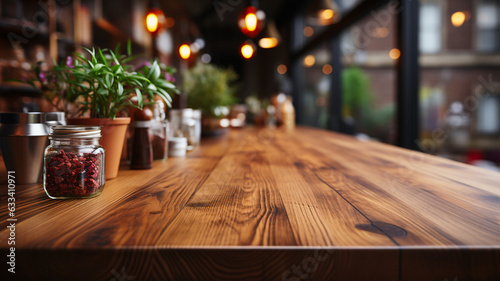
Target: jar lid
(22, 124)
(142, 124)
(56, 118)
(184, 113)
(21, 118)
(74, 131)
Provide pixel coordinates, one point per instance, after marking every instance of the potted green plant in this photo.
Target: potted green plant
(210, 89)
(101, 87)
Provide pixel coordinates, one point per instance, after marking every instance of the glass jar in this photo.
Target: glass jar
(160, 131)
(182, 125)
(74, 163)
(142, 148)
(197, 126)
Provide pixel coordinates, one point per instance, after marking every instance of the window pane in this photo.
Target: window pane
(369, 76)
(430, 28)
(459, 90)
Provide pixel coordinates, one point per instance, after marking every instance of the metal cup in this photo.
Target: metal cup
(23, 138)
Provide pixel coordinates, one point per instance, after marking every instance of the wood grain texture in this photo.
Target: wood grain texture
(269, 204)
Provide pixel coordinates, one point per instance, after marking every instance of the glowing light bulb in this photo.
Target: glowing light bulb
(185, 51)
(152, 22)
(251, 22)
(247, 50)
(458, 19)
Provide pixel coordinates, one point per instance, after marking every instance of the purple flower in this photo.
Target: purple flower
(169, 78)
(69, 62)
(42, 77)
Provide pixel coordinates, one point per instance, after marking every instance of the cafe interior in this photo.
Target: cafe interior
(427, 81)
(418, 78)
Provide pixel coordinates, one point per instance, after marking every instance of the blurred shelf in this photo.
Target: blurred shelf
(17, 27)
(19, 90)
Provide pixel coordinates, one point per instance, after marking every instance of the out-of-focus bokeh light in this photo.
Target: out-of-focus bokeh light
(152, 22)
(327, 69)
(308, 31)
(458, 19)
(309, 61)
(247, 50)
(282, 69)
(395, 54)
(185, 51)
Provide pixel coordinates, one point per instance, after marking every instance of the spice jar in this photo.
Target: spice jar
(74, 163)
(142, 148)
(197, 126)
(177, 147)
(182, 125)
(159, 131)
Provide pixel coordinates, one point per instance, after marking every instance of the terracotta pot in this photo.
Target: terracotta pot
(113, 135)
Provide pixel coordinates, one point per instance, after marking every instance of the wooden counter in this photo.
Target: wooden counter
(263, 204)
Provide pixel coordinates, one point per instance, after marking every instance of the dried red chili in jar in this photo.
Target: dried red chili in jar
(74, 163)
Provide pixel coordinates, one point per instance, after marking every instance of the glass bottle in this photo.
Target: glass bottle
(142, 149)
(159, 132)
(182, 125)
(74, 163)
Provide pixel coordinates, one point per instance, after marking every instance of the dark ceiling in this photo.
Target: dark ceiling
(216, 21)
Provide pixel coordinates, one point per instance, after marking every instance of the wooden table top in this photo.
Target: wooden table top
(269, 204)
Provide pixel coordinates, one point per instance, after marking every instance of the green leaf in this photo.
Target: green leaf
(120, 89)
(164, 93)
(117, 69)
(139, 77)
(154, 71)
(139, 97)
(166, 98)
(114, 57)
(97, 67)
(103, 92)
(152, 87)
(94, 59)
(117, 48)
(108, 78)
(103, 57)
(129, 48)
(101, 81)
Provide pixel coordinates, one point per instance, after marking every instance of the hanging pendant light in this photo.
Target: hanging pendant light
(155, 20)
(251, 21)
(270, 37)
(323, 12)
(247, 50)
(185, 51)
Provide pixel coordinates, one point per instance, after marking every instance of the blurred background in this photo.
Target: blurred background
(424, 75)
